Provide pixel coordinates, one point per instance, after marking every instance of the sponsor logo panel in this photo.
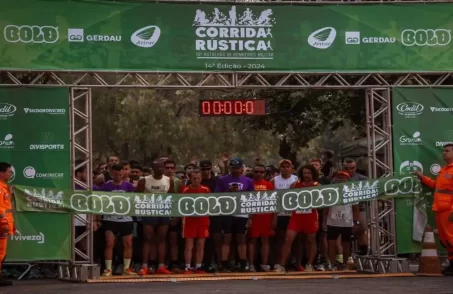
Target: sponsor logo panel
(7, 142)
(78, 35)
(31, 173)
(44, 110)
(354, 38)
(7, 110)
(146, 37)
(322, 38)
(410, 109)
(426, 37)
(232, 34)
(410, 166)
(413, 140)
(31, 34)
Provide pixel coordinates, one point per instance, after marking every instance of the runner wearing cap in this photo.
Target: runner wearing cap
(341, 221)
(282, 182)
(237, 224)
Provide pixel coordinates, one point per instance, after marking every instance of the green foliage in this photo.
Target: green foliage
(144, 124)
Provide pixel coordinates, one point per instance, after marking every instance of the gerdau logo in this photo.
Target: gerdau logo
(38, 238)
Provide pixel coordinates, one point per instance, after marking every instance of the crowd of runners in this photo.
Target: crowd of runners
(308, 240)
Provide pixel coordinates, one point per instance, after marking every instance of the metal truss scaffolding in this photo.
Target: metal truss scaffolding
(380, 214)
(224, 80)
(81, 266)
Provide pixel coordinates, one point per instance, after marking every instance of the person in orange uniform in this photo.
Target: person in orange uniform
(263, 224)
(195, 227)
(6, 215)
(302, 221)
(443, 203)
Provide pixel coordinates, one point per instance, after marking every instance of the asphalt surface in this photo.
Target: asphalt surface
(412, 285)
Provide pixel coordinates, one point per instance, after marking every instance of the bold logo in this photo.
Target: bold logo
(31, 173)
(414, 140)
(435, 169)
(44, 110)
(39, 238)
(427, 37)
(407, 185)
(7, 142)
(441, 109)
(31, 34)
(409, 109)
(146, 37)
(408, 167)
(103, 204)
(322, 38)
(75, 35)
(352, 38)
(13, 174)
(7, 110)
(211, 205)
(246, 35)
(310, 199)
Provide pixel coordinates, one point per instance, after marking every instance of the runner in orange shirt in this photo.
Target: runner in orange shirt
(6, 215)
(195, 227)
(263, 224)
(443, 203)
(303, 222)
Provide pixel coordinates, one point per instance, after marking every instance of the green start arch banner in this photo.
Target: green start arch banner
(143, 36)
(177, 205)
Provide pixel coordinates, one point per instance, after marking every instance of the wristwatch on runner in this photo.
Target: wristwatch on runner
(356, 223)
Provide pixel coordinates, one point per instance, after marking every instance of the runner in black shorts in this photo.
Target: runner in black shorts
(237, 224)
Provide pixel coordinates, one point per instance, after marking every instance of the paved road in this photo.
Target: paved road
(412, 285)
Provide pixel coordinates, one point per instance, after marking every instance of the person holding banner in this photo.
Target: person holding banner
(6, 215)
(195, 229)
(443, 203)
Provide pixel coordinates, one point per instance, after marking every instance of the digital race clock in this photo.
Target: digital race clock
(232, 107)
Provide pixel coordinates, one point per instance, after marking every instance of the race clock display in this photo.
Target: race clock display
(232, 107)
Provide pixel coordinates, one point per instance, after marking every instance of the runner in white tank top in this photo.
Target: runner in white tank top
(156, 184)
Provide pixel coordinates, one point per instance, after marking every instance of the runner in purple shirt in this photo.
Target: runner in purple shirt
(114, 225)
(234, 182)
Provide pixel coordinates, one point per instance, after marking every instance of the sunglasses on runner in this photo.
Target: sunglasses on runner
(258, 172)
(205, 168)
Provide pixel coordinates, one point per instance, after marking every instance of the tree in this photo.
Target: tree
(297, 117)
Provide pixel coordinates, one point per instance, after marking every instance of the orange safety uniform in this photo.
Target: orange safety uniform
(6, 218)
(443, 205)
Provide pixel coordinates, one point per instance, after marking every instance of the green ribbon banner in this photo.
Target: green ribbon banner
(139, 36)
(176, 205)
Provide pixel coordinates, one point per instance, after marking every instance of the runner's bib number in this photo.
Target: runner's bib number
(305, 211)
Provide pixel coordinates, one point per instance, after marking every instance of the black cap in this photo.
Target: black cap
(205, 163)
(236, 162)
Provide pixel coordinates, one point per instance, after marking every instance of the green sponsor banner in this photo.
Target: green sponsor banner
(421, 126)
(34, 138)
(134, 204)
(134, 35)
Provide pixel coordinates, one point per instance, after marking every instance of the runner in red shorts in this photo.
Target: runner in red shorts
(263, 225)
(195, 227)
(303, 221)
